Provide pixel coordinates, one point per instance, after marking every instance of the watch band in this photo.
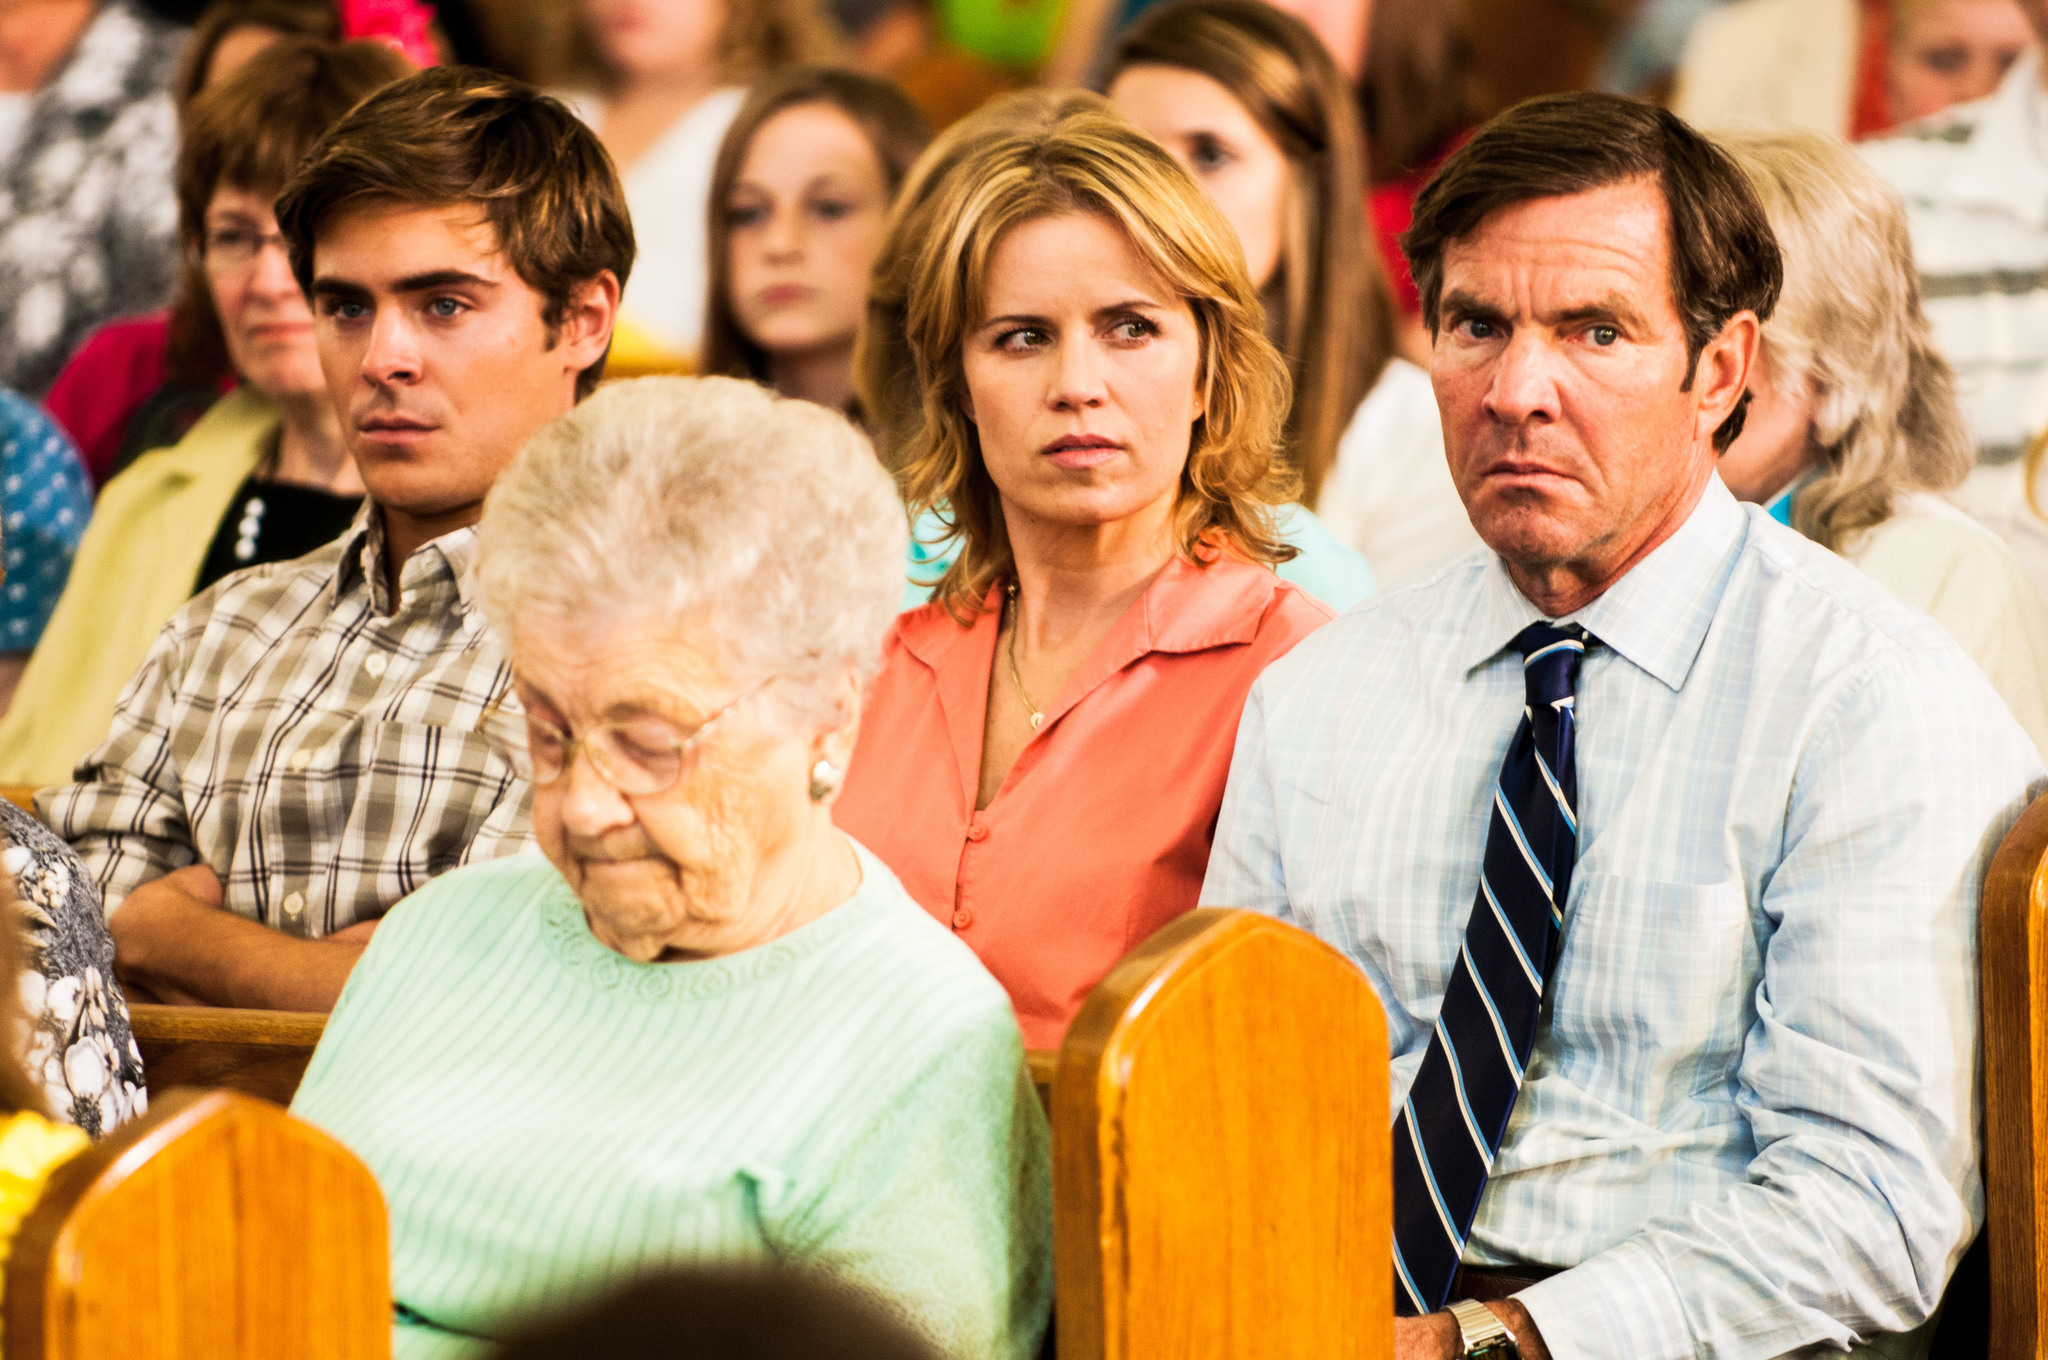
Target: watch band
(1483, 1334)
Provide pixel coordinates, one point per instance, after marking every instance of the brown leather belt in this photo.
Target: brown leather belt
(1492, 1286)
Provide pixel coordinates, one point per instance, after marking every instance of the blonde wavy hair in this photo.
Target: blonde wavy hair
(884, 373)
(1887, 421)
(1091, 161)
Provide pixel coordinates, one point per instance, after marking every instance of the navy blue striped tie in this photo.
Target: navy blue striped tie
(1447, 1133)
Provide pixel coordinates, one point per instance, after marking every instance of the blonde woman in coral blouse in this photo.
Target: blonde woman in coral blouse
(1045, 750)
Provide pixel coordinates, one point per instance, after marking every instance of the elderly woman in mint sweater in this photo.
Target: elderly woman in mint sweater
(707, 1025)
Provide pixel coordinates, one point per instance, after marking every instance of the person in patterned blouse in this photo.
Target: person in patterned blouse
(306, 742)
(79, 1049)
(87, 218)
(45, 501)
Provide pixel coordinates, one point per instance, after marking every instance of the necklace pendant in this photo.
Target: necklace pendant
(1037, 721)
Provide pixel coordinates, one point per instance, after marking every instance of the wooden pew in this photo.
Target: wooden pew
(216, 1227)
(1221, 1146)
(1220, 1141)
(259, 1053)
(2013, 934)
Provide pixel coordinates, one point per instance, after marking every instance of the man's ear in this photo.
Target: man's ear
(586, 329)
(1724, 369)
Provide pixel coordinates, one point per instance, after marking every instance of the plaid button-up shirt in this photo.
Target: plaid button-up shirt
(316, 747)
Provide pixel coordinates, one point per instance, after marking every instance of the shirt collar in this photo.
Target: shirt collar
(1656, 616)
(451, 556)
(1187, 608)
(2005, 164)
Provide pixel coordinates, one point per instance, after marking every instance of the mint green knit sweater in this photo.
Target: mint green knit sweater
(545, 1116)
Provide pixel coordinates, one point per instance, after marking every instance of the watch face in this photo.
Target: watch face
(1502, 1348)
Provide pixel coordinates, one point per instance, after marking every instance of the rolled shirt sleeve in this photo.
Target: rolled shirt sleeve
(125, 815)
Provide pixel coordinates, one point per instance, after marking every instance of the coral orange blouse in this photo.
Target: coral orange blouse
(1100, 833)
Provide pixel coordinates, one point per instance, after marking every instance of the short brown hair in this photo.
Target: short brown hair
(1724, 257)
(249, 132)
(1335, 310)
(885, 116)
(458, 134)
(1094, 162)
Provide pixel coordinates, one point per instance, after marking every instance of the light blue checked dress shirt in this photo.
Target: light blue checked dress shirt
(1749, 1118)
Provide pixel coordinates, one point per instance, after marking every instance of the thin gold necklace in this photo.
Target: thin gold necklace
(1017, 675)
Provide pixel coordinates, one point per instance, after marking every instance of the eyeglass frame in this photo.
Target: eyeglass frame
(207, 258)
(572, 744)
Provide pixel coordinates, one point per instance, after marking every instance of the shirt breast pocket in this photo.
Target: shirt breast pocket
(424, 790)
(1654, 989)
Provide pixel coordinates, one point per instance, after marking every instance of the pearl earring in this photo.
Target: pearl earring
(825, 777)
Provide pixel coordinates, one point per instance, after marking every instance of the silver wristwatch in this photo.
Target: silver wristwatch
(1483, 1333)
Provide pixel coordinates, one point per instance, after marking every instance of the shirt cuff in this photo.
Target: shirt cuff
(1620, 1305)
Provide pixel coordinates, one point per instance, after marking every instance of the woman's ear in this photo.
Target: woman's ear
(834, 741)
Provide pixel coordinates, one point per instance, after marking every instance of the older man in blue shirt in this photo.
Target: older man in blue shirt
(1659, 830)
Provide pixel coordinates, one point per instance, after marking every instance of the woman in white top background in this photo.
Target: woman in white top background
(1249, 100)
(1853, 436)
(659, 81)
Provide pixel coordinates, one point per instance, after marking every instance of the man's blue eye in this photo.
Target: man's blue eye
(445, 306)
(1605, 335)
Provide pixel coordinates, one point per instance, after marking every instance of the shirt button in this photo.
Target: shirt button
(302, 760)
(977, 831)
(375, 665)
(294, 906)
(962, 919)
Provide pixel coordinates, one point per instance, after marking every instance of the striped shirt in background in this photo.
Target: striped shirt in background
(1975, 183)
(319, 751)
(1750, 1117)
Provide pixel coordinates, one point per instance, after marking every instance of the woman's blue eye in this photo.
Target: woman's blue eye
(831, 210)
(750, 216)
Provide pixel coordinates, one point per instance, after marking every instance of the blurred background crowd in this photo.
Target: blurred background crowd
(137, 291)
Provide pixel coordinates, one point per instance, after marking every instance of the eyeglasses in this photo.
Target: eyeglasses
(227, 250)
(639, 757)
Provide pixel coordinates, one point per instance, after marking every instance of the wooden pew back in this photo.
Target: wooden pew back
(216, 1227)
(2013, 937)
(1221, 1149)
(259, 1053)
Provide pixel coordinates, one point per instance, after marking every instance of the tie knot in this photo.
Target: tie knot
(1551, 654)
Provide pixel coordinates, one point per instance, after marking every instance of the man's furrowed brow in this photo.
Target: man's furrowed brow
(442, 278)
(1614, 307)
(1460, 303)
(343, 290)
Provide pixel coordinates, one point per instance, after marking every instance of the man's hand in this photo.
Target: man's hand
(1437, 1337)
(173, 943)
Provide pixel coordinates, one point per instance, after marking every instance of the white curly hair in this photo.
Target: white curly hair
(711, 498)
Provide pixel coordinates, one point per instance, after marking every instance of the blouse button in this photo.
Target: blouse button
(302, 760)
(294, 906)
(375, 665)
(977, 831)
(962, 919)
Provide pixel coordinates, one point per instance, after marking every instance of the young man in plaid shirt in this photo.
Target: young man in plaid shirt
(304, 745)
